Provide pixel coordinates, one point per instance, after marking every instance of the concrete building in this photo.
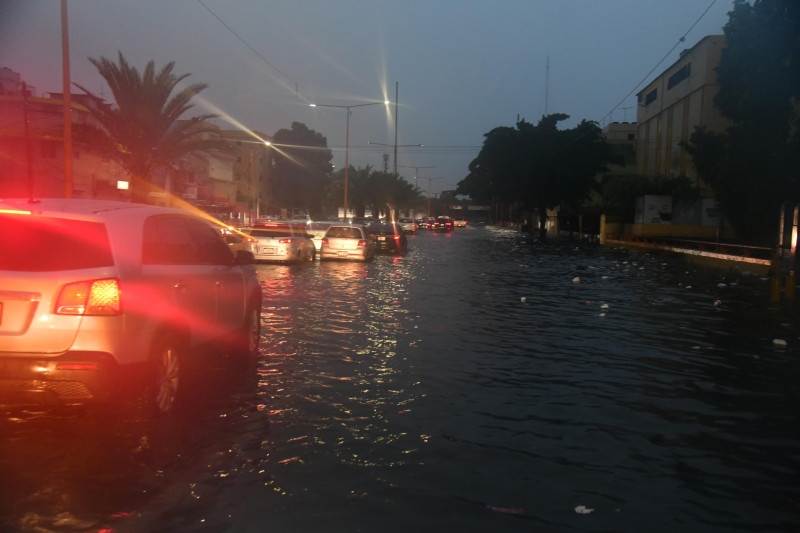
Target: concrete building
(251, 175)
(622, 137)
(670, 107)
(32, 146)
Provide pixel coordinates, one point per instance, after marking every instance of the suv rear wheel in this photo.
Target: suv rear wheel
(247, 346)
(168, 373)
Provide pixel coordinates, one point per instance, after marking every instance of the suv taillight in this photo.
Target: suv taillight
(96, 297)
(362, 243)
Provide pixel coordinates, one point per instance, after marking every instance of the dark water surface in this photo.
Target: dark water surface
(480, 383)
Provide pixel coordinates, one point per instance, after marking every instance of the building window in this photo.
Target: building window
(679, 76)
(651, 97)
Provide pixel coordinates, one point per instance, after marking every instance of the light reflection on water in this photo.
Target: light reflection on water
(479, 382)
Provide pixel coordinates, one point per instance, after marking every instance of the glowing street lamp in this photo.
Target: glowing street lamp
(347, 141)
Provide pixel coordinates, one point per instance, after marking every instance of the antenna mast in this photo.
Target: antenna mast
(546, 83)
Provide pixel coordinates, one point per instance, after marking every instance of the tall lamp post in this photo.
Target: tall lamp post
(347, 141)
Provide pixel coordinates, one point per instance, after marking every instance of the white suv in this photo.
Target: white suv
(95, 295)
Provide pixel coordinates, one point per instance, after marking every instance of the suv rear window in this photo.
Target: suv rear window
(31, 243)
(271, 232)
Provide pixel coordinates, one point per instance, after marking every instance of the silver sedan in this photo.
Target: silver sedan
(347, 242)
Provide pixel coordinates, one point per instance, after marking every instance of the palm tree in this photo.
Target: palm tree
(143, 132)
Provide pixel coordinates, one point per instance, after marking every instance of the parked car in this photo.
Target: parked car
(388, 238)
(351, 241)
(282, 241)
(443, 224)
(408, 225)
(101, 297)
(459, 222)
(316, 230)
(237, 240)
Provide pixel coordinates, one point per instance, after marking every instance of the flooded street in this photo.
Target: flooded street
(479, 383)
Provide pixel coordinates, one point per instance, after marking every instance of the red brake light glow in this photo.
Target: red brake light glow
(96, 297)
(362, 243)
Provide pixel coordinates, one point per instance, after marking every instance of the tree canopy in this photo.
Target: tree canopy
(380, 192)
(142, 131)
(538, 166)
(301, 164)
(755, 165)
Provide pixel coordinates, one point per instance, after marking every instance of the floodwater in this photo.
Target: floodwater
(481, 382)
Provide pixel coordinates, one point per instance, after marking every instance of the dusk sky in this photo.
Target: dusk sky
(463, 67)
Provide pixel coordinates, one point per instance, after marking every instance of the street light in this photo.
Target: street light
(396, 146)
(347, 141)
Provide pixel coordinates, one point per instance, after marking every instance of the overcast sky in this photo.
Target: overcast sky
(463, 67)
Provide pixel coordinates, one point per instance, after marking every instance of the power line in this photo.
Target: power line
(244, 42)
(680, 41)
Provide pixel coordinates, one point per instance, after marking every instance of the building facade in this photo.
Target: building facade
(251, 175)
(672, 105)
(32, 146)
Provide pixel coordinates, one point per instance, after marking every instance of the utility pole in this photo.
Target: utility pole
(67, 101)
(396, 120)
(416, 171)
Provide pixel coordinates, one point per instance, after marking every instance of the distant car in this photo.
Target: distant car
(101, 297)
(281, 241)
(316, 230)
(351, 241)
(459, 222)
(443, 224)
(388, 238)
(408, 225)
(430, 223)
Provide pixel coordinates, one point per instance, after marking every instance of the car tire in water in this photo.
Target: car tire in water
(168, 373)
(247, 344)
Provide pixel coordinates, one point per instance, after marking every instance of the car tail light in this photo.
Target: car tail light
(362, 243)
(286, 241)
(324, 240)
(96, 297)
(397, 237)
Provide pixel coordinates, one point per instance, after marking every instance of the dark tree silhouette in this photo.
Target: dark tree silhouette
(755, 165)
(538, 167)
(301, 165)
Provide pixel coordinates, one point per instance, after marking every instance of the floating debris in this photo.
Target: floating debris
(523, 299)
(779, 342)
(717, 303)
(582, 509)
(604, 306)
(576, 279)
(506, 510)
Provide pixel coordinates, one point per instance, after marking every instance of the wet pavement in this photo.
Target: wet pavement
(481, 382)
